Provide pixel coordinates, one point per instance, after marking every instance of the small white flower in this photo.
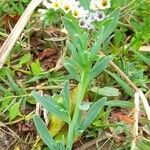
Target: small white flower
(93, 5)
(79, 12)
(89, 26)
(75, 12)
(82, 23)
(91, 16)
(99, 16)
(103, 4)
(66, 6)
(86, 23)
(55, 4)
(99, 4)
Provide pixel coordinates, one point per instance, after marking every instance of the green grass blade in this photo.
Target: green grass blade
(67, 96)
(122, 104)
(100, 65)
(72, 71)
(51, 106)
(44, 133)
(124, 85)
(93, 113)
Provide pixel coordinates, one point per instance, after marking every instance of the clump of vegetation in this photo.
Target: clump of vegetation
(78, 71)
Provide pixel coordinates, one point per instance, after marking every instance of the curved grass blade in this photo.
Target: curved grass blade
(44, 133)
(93, 113)
(51, 106)
(100, 65)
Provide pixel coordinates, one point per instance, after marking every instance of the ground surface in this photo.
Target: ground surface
(36, 63)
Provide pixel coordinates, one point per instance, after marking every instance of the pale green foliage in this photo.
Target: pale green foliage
(84, 64)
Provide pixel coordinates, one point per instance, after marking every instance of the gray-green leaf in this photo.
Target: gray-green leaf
(51, 106)
(93, 113)
(44, 133)
(106, 91)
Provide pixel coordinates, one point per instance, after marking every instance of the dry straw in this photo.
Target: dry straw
(14, 35)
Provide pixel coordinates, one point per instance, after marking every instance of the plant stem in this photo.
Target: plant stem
(79, 98)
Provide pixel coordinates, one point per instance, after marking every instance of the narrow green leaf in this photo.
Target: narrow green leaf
(142, 57)
(4, 90)
(115, 17)
(5, 101)
(93, 113)
(124, 85)
(14, 111)
(11, 83)
(143, 145)
(36, 68)
(44, 133)
(85, 39)
(16, 8)
(51, 106)
(67, 96)
(106, 91)
(78, 43)
(72, 48)
(122, 104)
(99, 40)
(76, 55)
(72, 62)
(61, 146)
(24, 59)
(100, 65)
(72, 71)
(105, 31)
(72, 27)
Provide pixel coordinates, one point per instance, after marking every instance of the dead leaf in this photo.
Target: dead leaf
(124, 118)
(47, 53)
(50, 31)
(144, 49)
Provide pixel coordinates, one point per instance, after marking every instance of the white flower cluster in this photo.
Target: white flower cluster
(100, 4)
(85, 17)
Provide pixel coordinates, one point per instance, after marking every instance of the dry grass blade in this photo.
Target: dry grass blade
(136, 118)
(145, 104)
(93, 142)
(12, 38)
(144, 49)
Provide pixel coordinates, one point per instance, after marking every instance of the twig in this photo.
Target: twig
(44, 87)
(93, 142)
(12, 38)
(11, 132)
(123, 75)
(136, 118)
(145, 103)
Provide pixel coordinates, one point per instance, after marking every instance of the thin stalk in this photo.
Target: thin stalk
(122, 74)
(14, 35)
(79, 98)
